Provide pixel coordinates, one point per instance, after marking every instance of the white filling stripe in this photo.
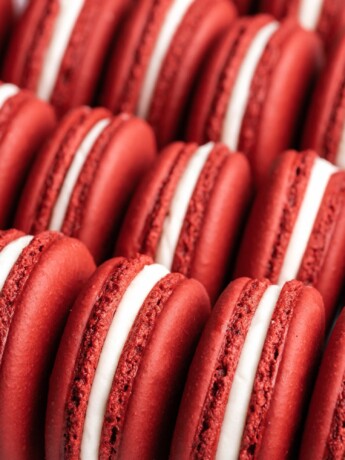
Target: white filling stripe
(119, 330)
(171, 23)
(7, 90)
(320, 175)
(9, 256)
(340, 157)
(62, 32)
(309, 13)
(241, 390)
(179, 206)
(240, 94)
(79, 160)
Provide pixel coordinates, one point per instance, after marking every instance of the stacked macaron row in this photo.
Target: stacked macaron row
(40, 278)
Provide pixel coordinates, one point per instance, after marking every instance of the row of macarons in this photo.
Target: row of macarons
(130, 378)
(98, 178)
(190, 68)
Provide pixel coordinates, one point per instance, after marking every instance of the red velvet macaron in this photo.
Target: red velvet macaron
(121, 365)
(59, 47)
(254, 87)
(250, 378)
(40, 278)
(157, 59)
(25, 124)
(84, 178)
(188, 211)
(297, 227)
(324, 431)
(319, 15)
(325, 127)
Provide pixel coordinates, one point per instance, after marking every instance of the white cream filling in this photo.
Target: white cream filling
(320, 175)
(179, 206)
(79, 160)
(7, 90)
(309, 13)
(237, 104)
(241, 390)
(169, 28)
(119, 330)
(9, 256)
(340, 157)
(62, 32)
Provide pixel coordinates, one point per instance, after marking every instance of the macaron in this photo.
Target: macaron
(318, 15)
(297, 227)
(188, 212)
(83, 179)
(324, 430)
(25, 124)
(325, 126)
(157, 59)
(253, 89)
(120, 369)
(39, 280)
(250, 377)
(59, 47)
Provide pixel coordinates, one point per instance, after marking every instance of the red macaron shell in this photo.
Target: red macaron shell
(83, 58)
(326, 115)
(25, 124)
(299, 323)
(280, 387)
(277, 96)
(104, 186)
(243, 6)
(319, 441)
(213, 219)
(6, 17)
(42, 307)
(202, 25)
(184, 302)
(272, 221)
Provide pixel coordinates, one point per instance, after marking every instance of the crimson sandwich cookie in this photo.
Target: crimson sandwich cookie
(324, 431)
(319, 15)
(83, 179)
(297, 227)
(157, 59)
(325, 127)
(187, 212)
(25, 124)
(250, 377)
(121, 365)
(253, 89)
(59, 47)
(40, 278)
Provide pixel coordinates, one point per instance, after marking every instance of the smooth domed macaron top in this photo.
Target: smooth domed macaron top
(324, 430)
(40, 278)
(188, 210)
(129, 305)
(296, 226)
(82, 181)
(249, 370)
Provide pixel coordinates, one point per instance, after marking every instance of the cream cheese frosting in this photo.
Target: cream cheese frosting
(173, 222)
(309, 13)
(237, 104)
(7, 90)
(241, 389)
(117, 336)
(320, 175)
(61, 34)
(10, 255)
(168, 30)
(79, 160)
